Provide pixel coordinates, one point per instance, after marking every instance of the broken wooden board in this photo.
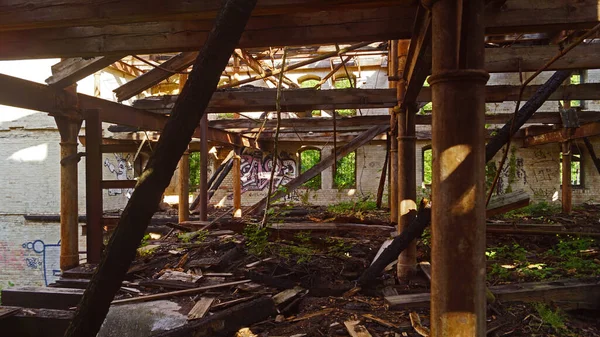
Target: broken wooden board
(526, 226)
(286, 295)
(426, 268)
(550, 291)
(35, 322)
(226, 322)
(503, 203)
(355, 329)
(330, 226)
(41, 297)
(201, 308)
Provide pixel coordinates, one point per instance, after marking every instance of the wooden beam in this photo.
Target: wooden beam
(562, 135)
(108, 184)
(167, 69)
(501, 93)
(41, 297)
(590, 148)
(122, 33)
(291, 100)
(35, 96)
(55, 13)
(71, 70)
(357, 142)
(418, 59)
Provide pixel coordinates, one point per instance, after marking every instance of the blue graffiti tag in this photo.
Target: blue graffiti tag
(50, 259)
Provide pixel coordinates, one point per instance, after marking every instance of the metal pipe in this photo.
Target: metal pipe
(184, 187)
(203, 206)
(69, 226)
(458, 192)
(406, 171)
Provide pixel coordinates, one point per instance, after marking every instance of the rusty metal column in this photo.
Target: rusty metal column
(69, 213)
(406, 161)
(184, 187)
(203, 206)
(393, 183)
(237, 186)
(458, 141)
(566, 188)
(93, 185)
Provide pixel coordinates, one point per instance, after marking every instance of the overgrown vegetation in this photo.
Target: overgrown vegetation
(554, 319)
(350, 207)
(345, 173)
(308, 159)
(570, 258)
(194, 170)
(257, 239)
(199, 236)
(536, 210)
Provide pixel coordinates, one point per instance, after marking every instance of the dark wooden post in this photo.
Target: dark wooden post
(566, 188)
(203, 206)
(458, 215)
(393, 195)
(93, 185)
(406, 175)
(176, 135)
(69, 214)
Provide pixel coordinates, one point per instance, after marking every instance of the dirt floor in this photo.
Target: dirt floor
(322, 267)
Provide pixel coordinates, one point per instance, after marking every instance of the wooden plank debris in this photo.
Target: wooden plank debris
(201, 308)
(355, 329)
(548, 291)
(286, 295)
(177, 293)
(35, 322)
(41, 297)
(225, 322)
(71, 70)
(503, 203)
(329, 226)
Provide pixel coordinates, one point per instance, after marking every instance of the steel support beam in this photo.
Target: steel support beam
(458, 191)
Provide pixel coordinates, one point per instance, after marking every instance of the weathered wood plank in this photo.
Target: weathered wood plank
(293, 27)
(565, 290)
(41, 297)
(70, 71)
(558, 136)
(167, 69)
(503, 203)
(201, 308)
(329, 226)
(36, 323)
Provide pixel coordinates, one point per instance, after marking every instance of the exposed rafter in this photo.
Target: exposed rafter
(293, 27)
(71, 70)
(30, 95)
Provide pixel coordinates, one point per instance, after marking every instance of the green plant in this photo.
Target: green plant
(302, 254)
(144, 241)
(499, 272)
(308, 159)
(345, 173)
(346, 207)
(337, 247)
(426, 237)
(515, 253)
(256, 239)
(303, 237)
(540, 209)
(553, 318)
(199, 235)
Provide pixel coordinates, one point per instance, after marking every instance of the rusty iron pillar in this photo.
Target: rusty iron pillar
(203, 206)
(93, 185)
(458, 142)
(69, 213)
(406, 175)
(237, 186)
(184, 187)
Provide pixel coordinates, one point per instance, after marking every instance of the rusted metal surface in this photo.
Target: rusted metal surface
(184, 187)
(237, 186)
(202, 207)
(458, 193)
(406, 166)
(69, 213)
(566, 188)
(93, 185)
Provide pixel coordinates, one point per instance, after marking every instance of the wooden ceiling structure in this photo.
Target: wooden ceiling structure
(520, 36)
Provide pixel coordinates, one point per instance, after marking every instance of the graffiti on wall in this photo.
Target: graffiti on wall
(45, 257)
(256, 171)
(123, 170)
(507, 178)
